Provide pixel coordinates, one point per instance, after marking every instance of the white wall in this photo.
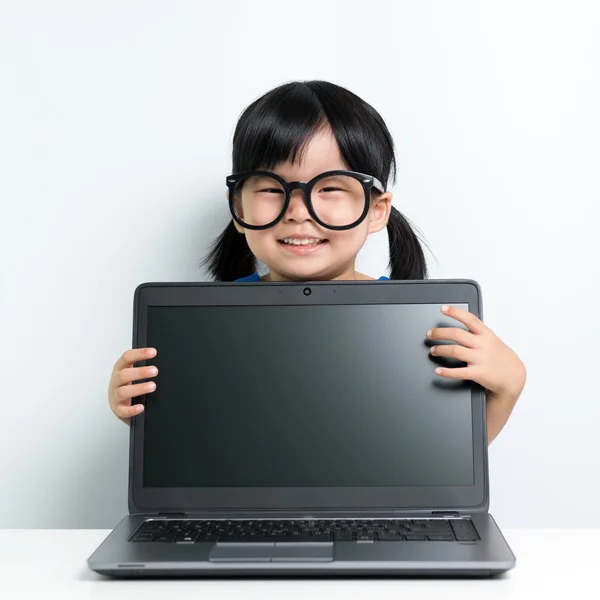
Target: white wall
(116, 120)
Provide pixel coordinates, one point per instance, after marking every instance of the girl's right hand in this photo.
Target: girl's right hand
(121, 390)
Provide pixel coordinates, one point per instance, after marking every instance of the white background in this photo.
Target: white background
(116, 120)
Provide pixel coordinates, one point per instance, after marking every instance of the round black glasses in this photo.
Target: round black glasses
(335, 199)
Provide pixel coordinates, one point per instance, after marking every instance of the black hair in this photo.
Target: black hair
(276, 127)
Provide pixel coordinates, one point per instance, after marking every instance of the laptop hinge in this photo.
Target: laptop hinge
(434, 513)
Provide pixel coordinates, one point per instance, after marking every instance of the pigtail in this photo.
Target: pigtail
(230, 256)
(407, 260)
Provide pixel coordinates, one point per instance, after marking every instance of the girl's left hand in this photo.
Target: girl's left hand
(490, 362)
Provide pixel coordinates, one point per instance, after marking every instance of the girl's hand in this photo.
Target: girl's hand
(490, 362)
(120, 389)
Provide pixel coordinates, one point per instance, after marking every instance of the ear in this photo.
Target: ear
(239, 228)
(379, 214)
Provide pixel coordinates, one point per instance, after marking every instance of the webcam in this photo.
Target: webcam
(307, 291)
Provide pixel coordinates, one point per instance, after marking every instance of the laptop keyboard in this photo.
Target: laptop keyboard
(338, 530)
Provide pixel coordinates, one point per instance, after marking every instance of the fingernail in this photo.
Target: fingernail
(151, 351)
(429, 333)
(432, 350)
(445, 308)
(153, 370)
(438, 370)
(139, 408)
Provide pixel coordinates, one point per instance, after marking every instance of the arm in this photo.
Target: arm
(498, 409)
(490, 362)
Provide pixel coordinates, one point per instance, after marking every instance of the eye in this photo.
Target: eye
(271, 190)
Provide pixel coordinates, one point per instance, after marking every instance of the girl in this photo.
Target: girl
(311, 162)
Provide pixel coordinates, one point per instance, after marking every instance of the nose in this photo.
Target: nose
(297, 209)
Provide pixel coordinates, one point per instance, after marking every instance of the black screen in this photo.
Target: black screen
(325, 395)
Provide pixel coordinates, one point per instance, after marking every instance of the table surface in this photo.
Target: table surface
(52, 562)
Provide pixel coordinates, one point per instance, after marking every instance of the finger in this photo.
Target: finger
(134, 355)
(125, 376)
(123, 412)
(454, 334)
(126, 392)
(459, 352)
(472, 322)
(456, 373)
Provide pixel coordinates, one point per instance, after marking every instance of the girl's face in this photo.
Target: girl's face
(335, 258)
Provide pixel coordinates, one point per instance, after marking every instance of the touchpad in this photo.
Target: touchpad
(272, 552)
(302, 552)
(243, 552)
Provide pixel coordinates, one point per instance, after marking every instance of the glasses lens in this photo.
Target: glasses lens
(338, 200)
(258, 200)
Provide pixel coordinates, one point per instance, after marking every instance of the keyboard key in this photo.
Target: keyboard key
(167, 538)
(389, 537)
(187, 537)
(464, 531)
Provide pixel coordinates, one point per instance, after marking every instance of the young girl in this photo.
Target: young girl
(311, 162)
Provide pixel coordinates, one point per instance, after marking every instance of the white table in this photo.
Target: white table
(50, 563)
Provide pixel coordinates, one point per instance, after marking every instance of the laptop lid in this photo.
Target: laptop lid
(304, 397)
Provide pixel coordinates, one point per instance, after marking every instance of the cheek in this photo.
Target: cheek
(351, 240)
(259, 242)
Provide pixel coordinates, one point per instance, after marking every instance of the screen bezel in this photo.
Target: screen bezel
(171, 500)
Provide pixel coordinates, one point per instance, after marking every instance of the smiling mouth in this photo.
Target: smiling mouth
(302, 242)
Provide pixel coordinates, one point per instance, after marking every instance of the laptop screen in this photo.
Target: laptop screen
(303, 396)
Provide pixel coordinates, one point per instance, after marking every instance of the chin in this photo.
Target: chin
(305, 272)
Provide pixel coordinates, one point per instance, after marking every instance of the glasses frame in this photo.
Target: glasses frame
(367, 182)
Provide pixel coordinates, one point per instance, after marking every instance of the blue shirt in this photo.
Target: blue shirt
(256, 277)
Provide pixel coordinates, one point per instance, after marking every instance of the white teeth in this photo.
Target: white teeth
(301, 242)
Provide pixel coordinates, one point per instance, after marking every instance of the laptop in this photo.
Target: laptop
(299, 429)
